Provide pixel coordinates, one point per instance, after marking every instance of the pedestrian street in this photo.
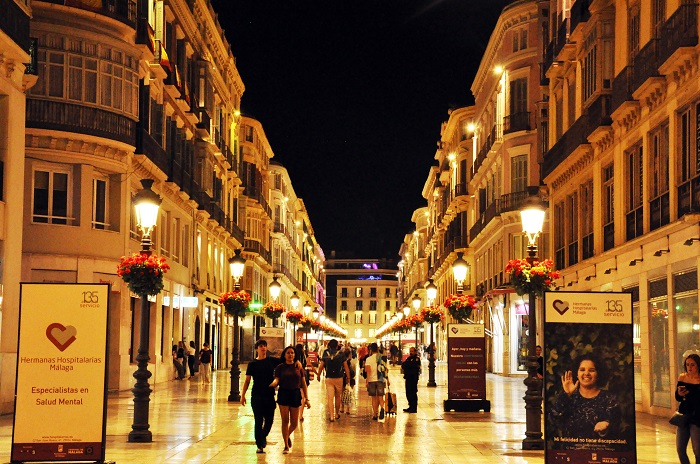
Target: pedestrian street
(195, 424)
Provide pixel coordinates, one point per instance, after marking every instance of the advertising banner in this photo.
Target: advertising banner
(589, 378)
(61, 373)
(274, 337)
(466, 362)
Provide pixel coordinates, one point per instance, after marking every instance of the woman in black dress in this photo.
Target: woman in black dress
(289, 376)
(688, 396)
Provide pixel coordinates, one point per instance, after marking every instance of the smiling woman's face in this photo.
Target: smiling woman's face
(587, 374)
(289, 354)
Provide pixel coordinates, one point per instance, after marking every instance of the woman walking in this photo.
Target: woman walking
(688, 395)
(289, 376)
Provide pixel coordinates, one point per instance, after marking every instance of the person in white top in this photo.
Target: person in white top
(375, 384)
(191, 358)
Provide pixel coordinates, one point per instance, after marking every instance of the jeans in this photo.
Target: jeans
(264, 414)
(683, 435)
(412, 392)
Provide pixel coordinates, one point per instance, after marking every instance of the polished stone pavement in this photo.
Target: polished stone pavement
(194, 423)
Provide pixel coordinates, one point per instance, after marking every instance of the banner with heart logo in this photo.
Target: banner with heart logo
(588, 373)
(61, 373)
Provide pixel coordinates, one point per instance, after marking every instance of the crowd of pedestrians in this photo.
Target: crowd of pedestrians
(289, 375)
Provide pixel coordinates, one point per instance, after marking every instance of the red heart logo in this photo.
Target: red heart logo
(61, 336)
(455, 330)
(560, 306)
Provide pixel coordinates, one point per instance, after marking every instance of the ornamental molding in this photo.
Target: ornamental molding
(575, 168)
(88, 146)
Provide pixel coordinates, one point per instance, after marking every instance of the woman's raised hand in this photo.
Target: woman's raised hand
(567, 383)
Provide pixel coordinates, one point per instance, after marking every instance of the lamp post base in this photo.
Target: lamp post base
(140, 436)
(235, 394)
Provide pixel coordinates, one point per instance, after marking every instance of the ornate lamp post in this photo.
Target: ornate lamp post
(459, 270)
(416, 302)
(431, 291)
(294, 300)
(532, 217)
(146, 204)
(237, 265)
(307, 310)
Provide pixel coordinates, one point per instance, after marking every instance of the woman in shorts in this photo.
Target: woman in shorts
(289, 377)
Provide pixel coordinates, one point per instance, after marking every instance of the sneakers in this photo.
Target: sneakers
(381, 413)
(286, 451)
(260, 451)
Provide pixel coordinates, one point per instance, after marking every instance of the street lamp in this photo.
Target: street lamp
(275, 288)
(431, 291)
(416, 302)
(146, 204)
(237, 266)
(307, 310)
(294, 300)
(532, 217)
(459, 270)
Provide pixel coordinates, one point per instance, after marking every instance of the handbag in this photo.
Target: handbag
(679, 419)
(347, 396)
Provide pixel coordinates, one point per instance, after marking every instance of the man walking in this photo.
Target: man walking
(262, 397)
(334, 362)
(205, 363)
(411, 369)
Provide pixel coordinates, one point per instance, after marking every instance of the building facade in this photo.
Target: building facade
(130, 90)
(486, 164)
(622, 171)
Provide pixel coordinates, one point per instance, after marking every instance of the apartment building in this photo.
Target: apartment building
(363, 294)
(486, 164)
(126, 91)
(622, 170)
(17, 75)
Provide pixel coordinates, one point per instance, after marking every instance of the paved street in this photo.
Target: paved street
(193, 423)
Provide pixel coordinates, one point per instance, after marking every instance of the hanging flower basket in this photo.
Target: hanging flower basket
(432, 314)
(306, 323)
(143, 273)
(235, 303)
(273, 310)
(415, 320)
(531, 278)
(294, 316)
(460, 306)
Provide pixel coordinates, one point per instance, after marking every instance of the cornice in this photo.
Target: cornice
(584, 159)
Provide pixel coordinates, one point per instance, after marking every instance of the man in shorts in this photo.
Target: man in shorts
(376, 371)
(262, 397)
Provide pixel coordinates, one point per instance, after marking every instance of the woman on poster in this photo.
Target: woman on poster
(583, 409)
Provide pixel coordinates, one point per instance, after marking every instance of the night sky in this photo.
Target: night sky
(351, 95)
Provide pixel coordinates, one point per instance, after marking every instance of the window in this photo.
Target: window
(373, 305)
(586, 192)
(387, 317)
(51, 198)
(633, 200)
(358, 292)
(343, 305)
(99, 204)
(572, 212)
(659, 206)
(358, 305)
(165, 235)
(358, 318)
(659, 347)
(519, 39)
(658, 16)
(518, 96)
(373, 293)
(387, 293)
(559, 225)
(633, 32)
(186, 245)
(343, 318)
(372, 318)
(590, 67)
(358, 333)
(343, 292)
(518, 173)
(608, 207)
(387, 306)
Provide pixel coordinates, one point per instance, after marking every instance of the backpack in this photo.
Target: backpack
(334, 365)
(381, 369)
(205, 357)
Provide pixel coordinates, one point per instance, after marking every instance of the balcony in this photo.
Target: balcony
(597, 114)
(147, 145)
(253, 246)
(494, 135)
(15, 23)
(517, 122)
(514, 201)
(123, 11)
(579, 13)
(680, 30)
(622, 88)
(69, 117)
(33, 66)
(483, 220)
